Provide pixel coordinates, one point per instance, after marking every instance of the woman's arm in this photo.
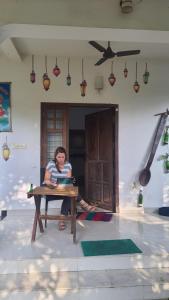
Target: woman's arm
(47, 178)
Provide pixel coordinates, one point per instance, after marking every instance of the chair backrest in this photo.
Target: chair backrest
(42, 174)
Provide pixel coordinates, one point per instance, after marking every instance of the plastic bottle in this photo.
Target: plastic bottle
(140, 198)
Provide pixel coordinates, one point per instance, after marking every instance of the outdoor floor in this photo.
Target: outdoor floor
(54, 268)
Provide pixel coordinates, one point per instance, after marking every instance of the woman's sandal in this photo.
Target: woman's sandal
(61, 225)
(86, 206)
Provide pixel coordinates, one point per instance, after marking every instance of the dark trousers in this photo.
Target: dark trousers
(66, 203)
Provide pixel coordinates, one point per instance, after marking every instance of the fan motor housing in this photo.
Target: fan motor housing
(126, 6)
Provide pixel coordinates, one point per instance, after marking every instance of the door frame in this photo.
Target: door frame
(115, 154)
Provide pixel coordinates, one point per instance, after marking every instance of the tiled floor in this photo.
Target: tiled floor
(55, 268)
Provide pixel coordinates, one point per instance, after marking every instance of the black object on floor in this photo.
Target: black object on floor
(164, 211)
(3, 214)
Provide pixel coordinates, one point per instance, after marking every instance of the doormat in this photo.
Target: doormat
(94, 216)
(109, 247)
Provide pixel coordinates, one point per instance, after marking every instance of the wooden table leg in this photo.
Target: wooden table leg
(73, 220)
(37, 199)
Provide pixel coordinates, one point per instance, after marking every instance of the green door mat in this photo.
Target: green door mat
(109, 247)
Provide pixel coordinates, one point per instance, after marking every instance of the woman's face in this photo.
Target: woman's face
(60, 157)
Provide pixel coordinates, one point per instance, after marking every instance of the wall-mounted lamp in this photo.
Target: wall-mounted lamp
(99, 83)
(5, 151)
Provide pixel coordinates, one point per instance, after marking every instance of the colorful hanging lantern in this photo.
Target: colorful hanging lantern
(125, 71)
(68, 78)
(136, 85)
(146, 75)
(83, 84)
(56, 69)
(46, 79)
(33, 74)
(112, 78)
(5, 151)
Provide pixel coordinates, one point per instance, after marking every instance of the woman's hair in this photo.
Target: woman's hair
(57, 151)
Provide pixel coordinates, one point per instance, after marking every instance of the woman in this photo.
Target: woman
(60, 168)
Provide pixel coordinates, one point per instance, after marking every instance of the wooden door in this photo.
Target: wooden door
(54, 131)
(101, 161)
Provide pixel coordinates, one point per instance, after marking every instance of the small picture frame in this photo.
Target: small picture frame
(5, 107)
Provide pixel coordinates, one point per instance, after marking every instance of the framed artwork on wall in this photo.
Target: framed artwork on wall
(5, 107)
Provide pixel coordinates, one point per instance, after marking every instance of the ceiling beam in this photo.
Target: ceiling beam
(9, 50)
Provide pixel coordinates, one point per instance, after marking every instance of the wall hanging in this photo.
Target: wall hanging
(5, 107)
(68, 78)
(146, 75)
(32, 74)
(56, 69)
(136, 85)
(83, 84)
(46, 79)
(5, 151)
(112, 78)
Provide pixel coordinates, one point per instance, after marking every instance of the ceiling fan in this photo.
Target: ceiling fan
(109, 53)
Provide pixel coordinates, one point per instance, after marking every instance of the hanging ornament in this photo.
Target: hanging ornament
(32, 74)
(83, 84)
(68, 78)
(125, 71)
(46, 79)
(56, 70)
(136, 85)
(146, 75)
(112, 78)
(5, 151)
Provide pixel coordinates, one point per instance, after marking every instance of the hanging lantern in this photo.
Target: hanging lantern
(136, 85)
(46, 79)
(112, 78)
(56, 70)
(125, 71)
(83, 84)
(32, 74)
(68, 78)
(5, 151)
(146, 75)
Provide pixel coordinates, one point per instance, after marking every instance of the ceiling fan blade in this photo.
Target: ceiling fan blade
(100, 61)
(97, 46)
(128, 52)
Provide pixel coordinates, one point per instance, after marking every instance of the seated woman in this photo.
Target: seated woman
(60, 168)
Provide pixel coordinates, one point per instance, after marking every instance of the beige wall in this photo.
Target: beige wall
(136, 123)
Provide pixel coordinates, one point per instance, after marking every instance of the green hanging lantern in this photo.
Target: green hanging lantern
(166, 165)
(146, 75)
(165, 137)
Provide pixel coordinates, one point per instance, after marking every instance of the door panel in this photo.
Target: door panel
(99, 158)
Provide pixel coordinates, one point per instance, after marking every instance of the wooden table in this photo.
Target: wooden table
(38, 192)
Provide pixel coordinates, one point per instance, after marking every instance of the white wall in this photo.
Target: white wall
(136, 123)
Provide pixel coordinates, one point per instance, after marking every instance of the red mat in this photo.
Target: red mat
(94, 216)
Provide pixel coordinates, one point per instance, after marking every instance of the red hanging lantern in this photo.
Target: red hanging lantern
(125, 71)
(112, 78)
(56, 69)
(68, 78)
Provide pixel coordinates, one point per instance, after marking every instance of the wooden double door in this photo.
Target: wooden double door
(101, 149)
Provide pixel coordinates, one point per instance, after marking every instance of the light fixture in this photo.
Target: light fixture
(83, 84)
(112, 78)
(5, 151)
(68, 78)
(56, 69)
(99, 83)
(136, 85)
(32, 74)
(125, 71)
(46, 79)
(126, 6)
(146, 75)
